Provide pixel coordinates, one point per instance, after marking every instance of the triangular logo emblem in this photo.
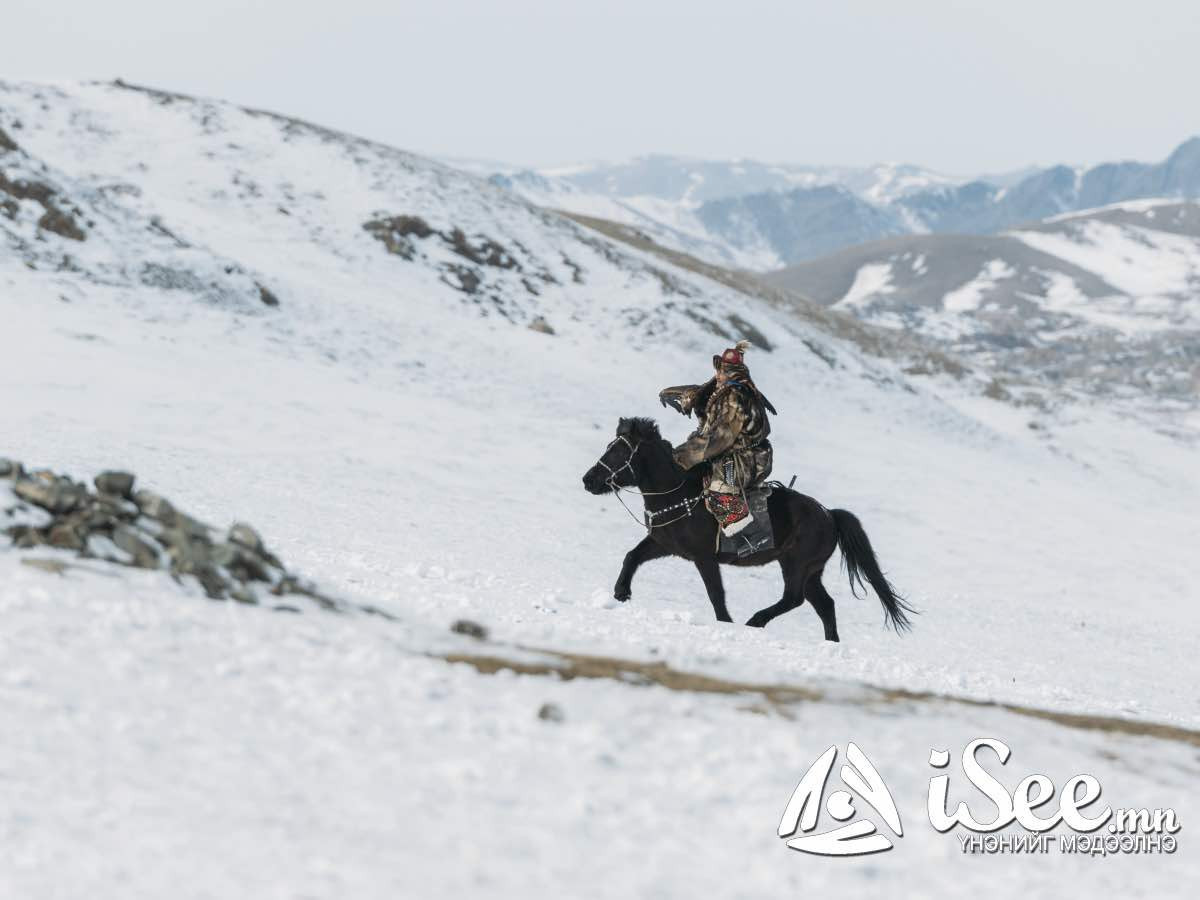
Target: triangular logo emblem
(855, 838)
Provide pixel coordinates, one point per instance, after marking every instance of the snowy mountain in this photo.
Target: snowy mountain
(977, 206)
(671, 224)
(1105, 301)
(399, 372)
(758, 216)
(799, 223)
(111, 214)
(696, 205)
(692, 182)
(981, 207)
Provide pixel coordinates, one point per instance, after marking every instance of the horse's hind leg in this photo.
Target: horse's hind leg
(646, 550)
(822, 603)
(793, 596)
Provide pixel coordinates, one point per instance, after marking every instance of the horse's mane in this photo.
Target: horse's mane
(644, 428)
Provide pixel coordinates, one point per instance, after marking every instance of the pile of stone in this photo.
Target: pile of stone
(139, 528)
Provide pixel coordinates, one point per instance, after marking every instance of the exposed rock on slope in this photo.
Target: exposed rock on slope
(484, 267)
(45, 208)
(117, 524)
(916, 355)
(47, 212)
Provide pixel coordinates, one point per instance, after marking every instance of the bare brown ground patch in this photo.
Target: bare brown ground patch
(776, 698)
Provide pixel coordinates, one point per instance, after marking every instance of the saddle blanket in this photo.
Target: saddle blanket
(758, 535)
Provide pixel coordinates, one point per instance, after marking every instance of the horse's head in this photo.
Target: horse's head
(623, 460)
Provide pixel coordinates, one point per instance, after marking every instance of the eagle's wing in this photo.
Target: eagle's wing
(682, 398)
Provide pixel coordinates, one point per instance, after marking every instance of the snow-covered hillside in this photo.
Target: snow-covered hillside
(240, 210)
(332, 339)
(672, 224)
(1105, 301)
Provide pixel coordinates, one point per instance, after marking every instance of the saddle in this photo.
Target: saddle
(758, 535)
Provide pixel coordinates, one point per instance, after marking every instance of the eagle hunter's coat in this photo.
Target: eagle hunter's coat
(732, 434)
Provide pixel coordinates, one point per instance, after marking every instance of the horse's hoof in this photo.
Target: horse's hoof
(755, 622)
(622, 595)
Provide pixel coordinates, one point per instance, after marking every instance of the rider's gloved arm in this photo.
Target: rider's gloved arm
(720, 431)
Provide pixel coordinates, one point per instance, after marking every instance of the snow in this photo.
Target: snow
(408, 447)
(1146, 205)
(967, 297)
(886, 182)
(1154, 274)
(324, 757)
(672, 224)
(668, 212)
(1121, 314)
(1139, 262)
(869, 281)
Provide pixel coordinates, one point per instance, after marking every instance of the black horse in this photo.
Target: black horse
(806, 533)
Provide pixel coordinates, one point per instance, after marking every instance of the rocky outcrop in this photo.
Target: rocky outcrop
(540, 324)
(113, 522)
(482, 268)
(40, 203)
(55, 218)
(395, 233)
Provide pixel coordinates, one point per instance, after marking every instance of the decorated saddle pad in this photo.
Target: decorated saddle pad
(758, 535)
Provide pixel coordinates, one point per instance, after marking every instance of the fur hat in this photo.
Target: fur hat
(733, 362)
(733, 357)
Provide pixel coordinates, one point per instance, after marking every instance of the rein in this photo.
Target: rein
(688, 504)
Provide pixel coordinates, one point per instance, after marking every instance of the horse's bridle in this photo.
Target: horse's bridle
(688, 504)
(611, 481)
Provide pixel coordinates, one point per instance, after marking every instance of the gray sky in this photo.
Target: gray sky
(963, 87)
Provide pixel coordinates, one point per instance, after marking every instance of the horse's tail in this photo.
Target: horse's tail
(860, 560)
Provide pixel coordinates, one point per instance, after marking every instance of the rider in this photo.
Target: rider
(732, 436)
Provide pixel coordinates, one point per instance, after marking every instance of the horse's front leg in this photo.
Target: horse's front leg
(647, 549)
(711, 573)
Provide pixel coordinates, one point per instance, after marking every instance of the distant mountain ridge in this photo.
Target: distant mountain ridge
(804, 222)
(698, 181)
(692, 205)
(978, 207)
(763, 216)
